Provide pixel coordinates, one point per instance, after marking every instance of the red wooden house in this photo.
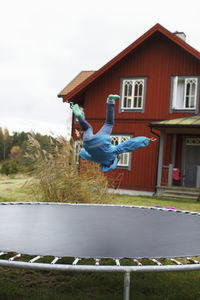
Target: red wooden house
(158, 79)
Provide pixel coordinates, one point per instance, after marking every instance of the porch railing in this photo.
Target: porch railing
(167, 175)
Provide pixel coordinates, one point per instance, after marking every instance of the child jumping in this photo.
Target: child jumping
(97, 147)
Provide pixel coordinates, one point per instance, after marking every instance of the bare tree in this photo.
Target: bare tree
(5, 135)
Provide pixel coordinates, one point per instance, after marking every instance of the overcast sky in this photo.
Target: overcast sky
(44, 44)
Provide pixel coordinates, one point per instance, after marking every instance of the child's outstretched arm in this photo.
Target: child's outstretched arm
(133, 144)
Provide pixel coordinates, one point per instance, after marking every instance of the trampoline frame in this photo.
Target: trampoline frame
(193, 264)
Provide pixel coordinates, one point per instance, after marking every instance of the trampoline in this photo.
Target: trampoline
(101, 233)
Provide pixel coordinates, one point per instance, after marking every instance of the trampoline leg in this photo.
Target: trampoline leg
(126, 286)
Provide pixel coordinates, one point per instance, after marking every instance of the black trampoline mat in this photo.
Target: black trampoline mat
(95, 231)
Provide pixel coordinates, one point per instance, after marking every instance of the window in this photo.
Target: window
(133, 94)
(193, 141)
(77, 149)
(124, 160)
(184, 93)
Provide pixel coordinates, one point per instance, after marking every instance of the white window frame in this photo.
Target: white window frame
(181, 99)
(77, 149)
(132, 94)
(124, 161)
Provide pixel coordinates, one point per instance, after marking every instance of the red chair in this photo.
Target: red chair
(176, 176)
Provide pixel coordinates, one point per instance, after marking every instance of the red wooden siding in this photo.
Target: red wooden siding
(157, 58)
(143, 161)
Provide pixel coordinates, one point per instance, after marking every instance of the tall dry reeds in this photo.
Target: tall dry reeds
(58, 178)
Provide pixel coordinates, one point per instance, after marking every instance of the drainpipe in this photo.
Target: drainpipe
(160, 158)
(156, 134)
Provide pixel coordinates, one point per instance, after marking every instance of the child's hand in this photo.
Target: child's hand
(153, 139)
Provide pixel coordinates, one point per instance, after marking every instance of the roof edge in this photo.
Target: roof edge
(126, 51)
(59, 95)
(174, 125)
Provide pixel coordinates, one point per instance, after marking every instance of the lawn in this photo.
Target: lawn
(15, 189)
(18, 189)
(43, 285)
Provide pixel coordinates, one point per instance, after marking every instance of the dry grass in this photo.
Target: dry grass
(59, 178)
(15, 188)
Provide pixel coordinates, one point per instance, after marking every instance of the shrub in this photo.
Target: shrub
(9, 167)
(59, 178)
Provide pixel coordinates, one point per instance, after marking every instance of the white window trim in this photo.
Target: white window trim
(77, 149)
(121, 139)
(195, 95)
(132, 96)
(175, 84)
(175, 92)
(132, 108)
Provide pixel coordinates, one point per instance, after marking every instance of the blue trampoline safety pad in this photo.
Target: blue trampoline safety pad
(98, 231)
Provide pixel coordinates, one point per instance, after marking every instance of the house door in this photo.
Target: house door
(191, 159)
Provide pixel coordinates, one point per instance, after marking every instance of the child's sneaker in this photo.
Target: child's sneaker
(113, 98)
(76, 110)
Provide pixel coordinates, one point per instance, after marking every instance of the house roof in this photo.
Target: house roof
(83, 75)
(192, 121)
(157, 28)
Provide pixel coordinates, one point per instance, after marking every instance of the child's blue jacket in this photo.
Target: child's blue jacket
(100, 150)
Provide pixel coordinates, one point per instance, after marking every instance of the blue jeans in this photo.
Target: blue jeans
(106, 128)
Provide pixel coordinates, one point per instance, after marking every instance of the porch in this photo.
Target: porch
(178, 193)
(172, 185)
(178, 167)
